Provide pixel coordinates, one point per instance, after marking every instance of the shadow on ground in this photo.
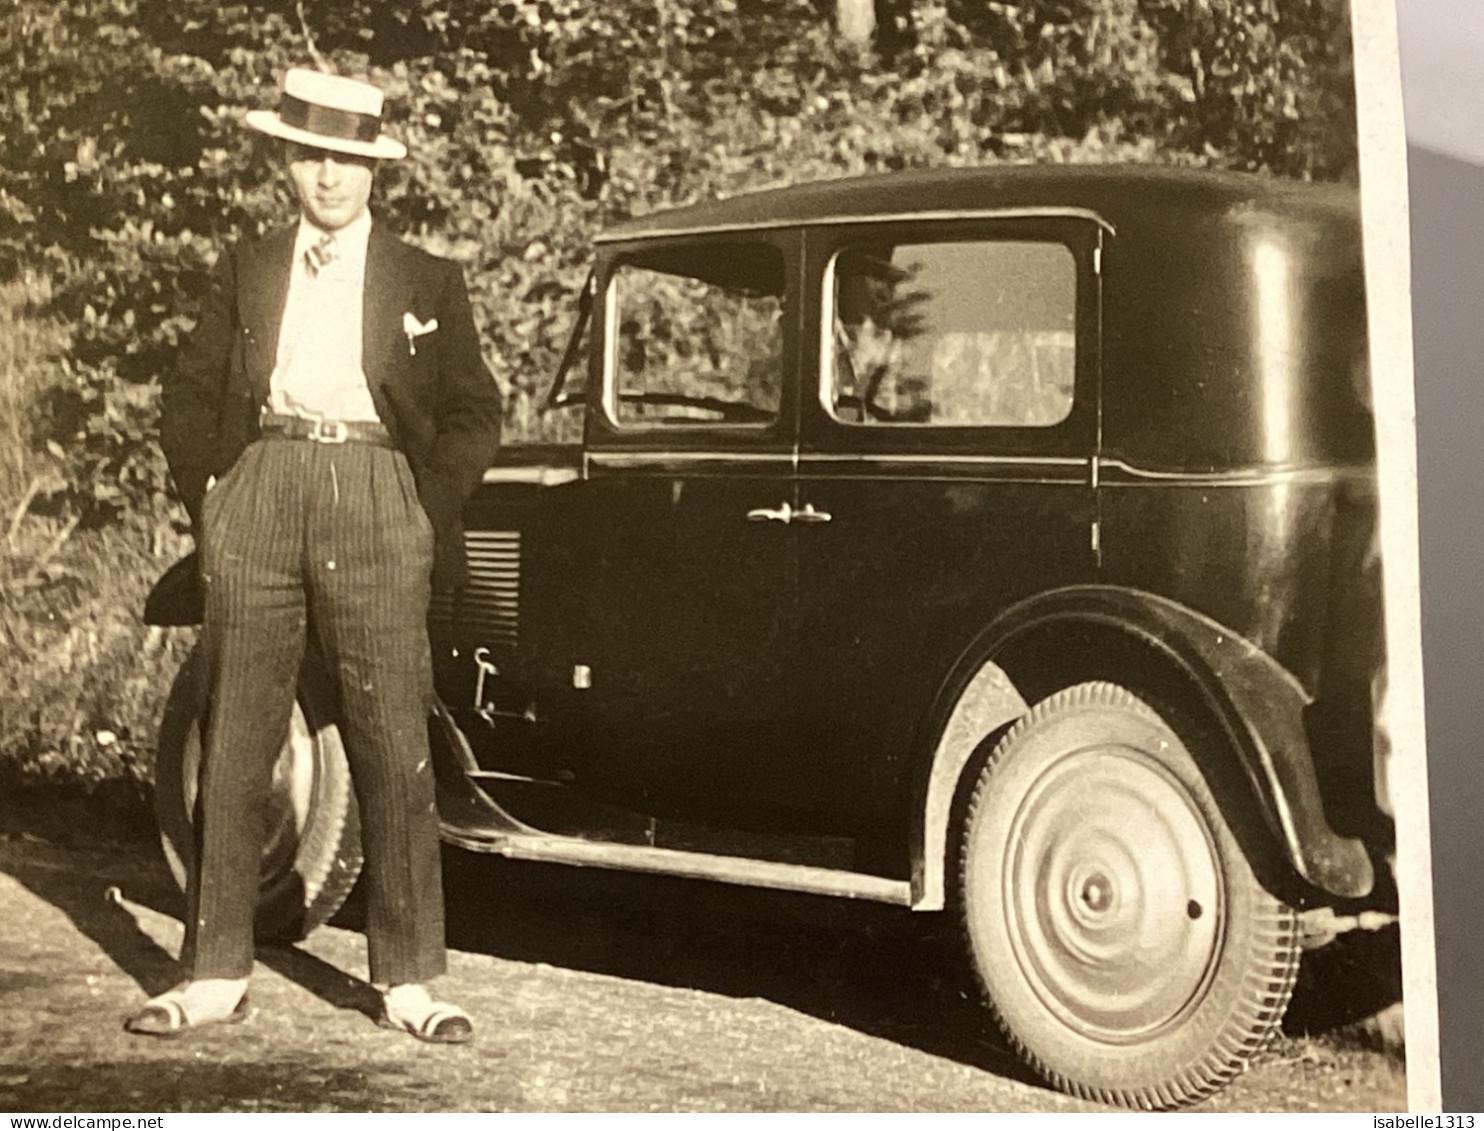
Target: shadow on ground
(202, 1085)
(1349, 981)
(85, 899)
(70, 812)
(879, 970)
(141, 877)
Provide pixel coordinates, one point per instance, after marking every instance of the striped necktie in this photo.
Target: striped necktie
(320, 253)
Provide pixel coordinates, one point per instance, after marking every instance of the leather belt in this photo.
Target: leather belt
(323, 431)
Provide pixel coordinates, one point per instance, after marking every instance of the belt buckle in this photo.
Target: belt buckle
(329, 432)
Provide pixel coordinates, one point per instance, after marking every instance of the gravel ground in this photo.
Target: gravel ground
(590, 992)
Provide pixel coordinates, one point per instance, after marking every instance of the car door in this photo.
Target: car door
(946, 456)
(689, 620)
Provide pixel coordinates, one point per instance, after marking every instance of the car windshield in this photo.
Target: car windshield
(561, 394)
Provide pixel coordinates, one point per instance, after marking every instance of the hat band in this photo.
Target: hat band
(327, 121)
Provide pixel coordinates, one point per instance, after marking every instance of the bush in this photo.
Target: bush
(123, 166)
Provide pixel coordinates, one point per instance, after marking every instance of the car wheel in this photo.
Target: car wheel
(312, 846)
(1121, 938)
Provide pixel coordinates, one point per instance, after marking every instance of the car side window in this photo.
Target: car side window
(696, 336)
(969, 333)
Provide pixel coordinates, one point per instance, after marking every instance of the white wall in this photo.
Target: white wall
(1442, 48)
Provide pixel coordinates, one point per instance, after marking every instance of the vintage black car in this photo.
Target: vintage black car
(1000, 540)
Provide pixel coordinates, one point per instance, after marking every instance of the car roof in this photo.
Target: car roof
(1113, 193)
(1191, 314)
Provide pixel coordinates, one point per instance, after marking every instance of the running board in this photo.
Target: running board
(528, 844)
(471, 819)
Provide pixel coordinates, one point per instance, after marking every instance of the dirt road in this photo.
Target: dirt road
(590, 992)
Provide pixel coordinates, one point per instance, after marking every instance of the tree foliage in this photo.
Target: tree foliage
(124, 166)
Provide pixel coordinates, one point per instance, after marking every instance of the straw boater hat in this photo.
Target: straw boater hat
(328, 112)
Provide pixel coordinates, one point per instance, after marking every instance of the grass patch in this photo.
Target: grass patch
(82, 688)
(82, 679)
(31, 348)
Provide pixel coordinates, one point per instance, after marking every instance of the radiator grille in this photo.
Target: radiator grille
(488, 609)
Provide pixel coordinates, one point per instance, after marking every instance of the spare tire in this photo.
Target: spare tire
(312, 846)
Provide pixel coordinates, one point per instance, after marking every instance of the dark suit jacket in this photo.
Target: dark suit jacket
(440, 403)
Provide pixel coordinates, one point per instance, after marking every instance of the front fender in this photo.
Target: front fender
(1257, 702)
(177, 599)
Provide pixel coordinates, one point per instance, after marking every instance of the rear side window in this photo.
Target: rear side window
(697, 336)
(968, 334)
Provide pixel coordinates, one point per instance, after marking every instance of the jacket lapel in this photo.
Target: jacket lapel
(262, 288)
(383, 304)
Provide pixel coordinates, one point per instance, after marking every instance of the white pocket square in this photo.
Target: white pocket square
(415, 329)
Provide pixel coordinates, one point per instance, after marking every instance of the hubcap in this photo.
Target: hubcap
(1114, 894)
(1097, 894)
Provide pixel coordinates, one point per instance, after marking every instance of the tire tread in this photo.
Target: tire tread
(1267, 985)
(327, 868)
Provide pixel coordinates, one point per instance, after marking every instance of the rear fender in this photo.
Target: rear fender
(987, 702)
(1257, 702)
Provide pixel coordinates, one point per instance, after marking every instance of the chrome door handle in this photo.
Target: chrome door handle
(808, 514)
(783, 513)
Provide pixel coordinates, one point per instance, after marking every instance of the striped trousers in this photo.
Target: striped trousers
(302, 537)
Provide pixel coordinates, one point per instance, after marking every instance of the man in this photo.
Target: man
(325, 423)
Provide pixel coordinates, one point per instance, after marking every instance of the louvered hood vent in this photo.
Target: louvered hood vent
(488, 609)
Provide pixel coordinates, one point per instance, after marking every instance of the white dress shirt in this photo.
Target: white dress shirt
(318, 370)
